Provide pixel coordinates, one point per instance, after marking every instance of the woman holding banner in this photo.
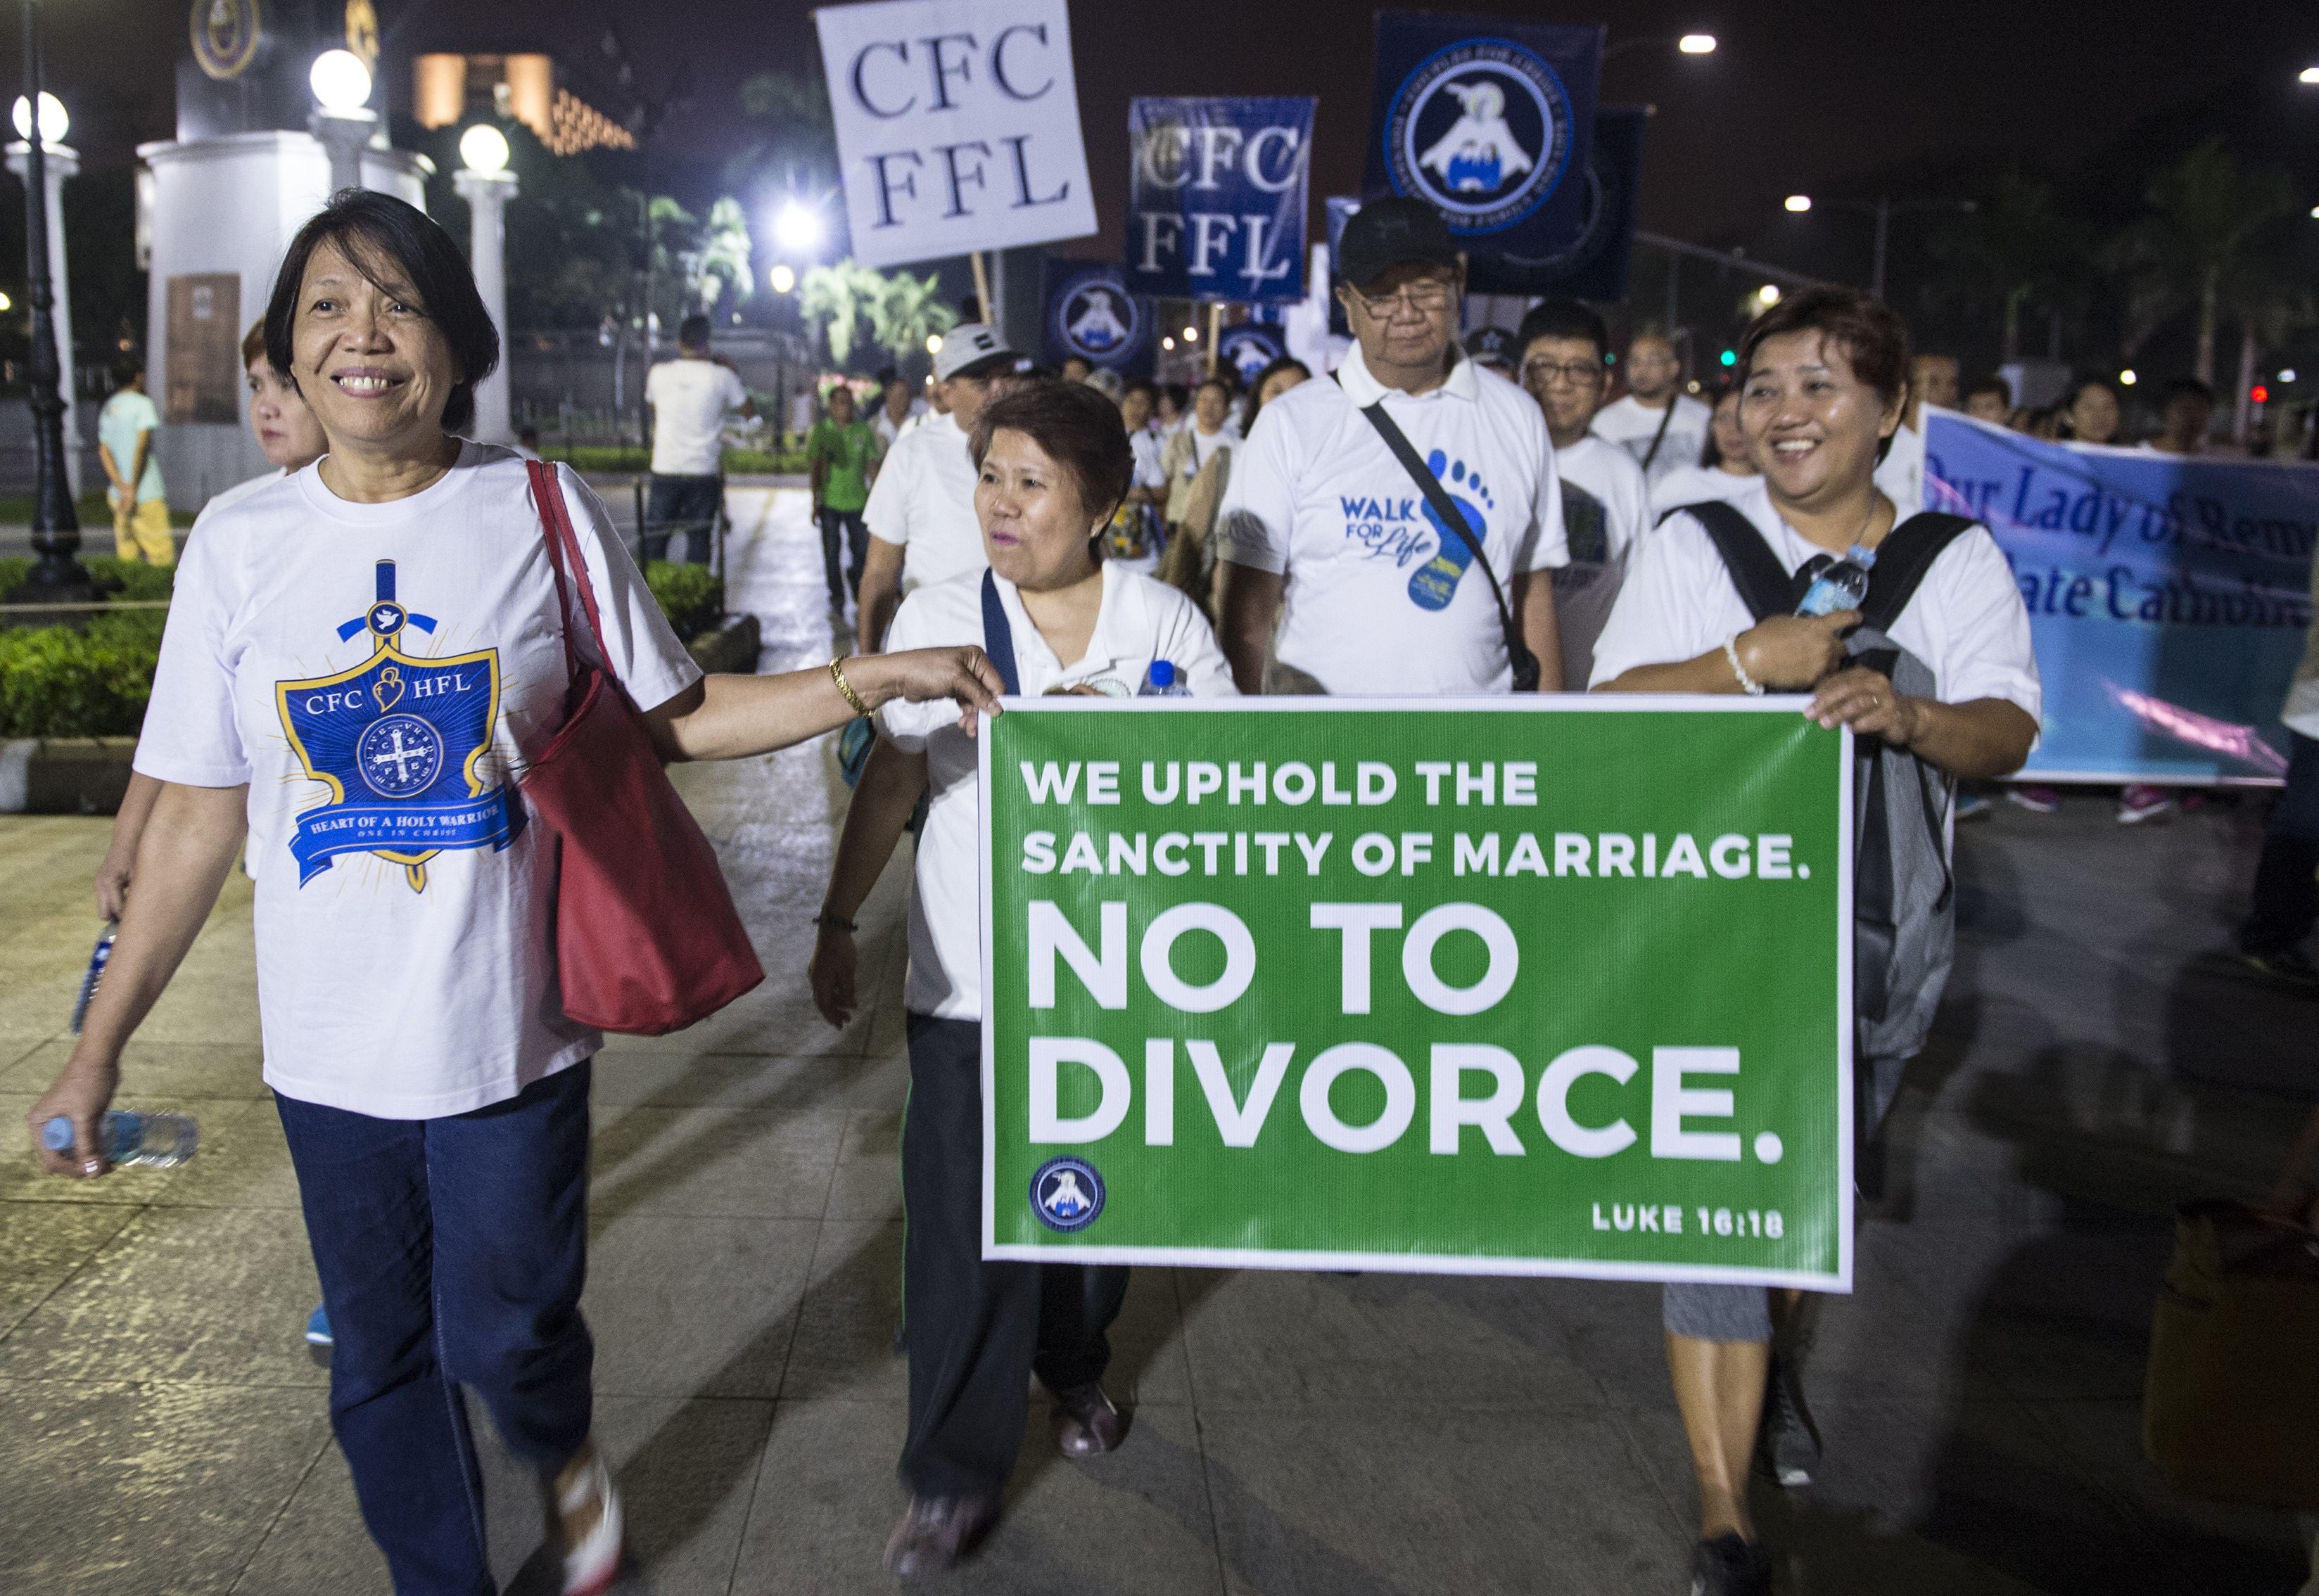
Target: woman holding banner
(1948, 689)
(1052, 463)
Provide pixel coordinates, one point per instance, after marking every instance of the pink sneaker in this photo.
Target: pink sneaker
(592, 1564)
(2037, 800)
(2142, 802)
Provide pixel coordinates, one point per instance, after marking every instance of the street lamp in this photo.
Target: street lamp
(1690, 44)
(1882, 207)
(343, 120)
(61, 162)
(57, 575)
(486, 185)
(781, 279)
(2308, 75)
(797, 228)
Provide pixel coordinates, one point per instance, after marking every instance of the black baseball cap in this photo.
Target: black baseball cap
(1385, 233)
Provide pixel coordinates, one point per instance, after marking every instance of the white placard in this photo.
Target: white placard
(957, 125)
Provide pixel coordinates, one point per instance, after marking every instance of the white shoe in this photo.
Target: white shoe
(592, 1567)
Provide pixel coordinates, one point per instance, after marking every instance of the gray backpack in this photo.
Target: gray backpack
(1904, 897)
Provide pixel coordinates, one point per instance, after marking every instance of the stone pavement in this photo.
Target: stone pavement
(162, 1427)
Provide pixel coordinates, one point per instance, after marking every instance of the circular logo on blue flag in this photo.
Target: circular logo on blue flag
(397, 755)
(1066, 1195)
(1095, 319)
(1248, 348)
(1480, 130)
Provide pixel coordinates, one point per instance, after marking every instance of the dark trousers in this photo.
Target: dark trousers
(975, 1329)
(687, 504)
(2286, 896)
(452, 1253)
(848, 526)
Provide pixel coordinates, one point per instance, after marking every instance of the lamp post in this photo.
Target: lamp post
(486, 185)
(57, 575)
(1690, 44)
(1882, 209)
(61, 162)
(343, 120)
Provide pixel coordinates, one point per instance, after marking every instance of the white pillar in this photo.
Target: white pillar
(61, 162)
(487, 195)
(344, 135)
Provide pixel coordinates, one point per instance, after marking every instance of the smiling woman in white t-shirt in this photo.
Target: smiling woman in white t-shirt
(357, 662)
(1052, 463)
(1823, 380)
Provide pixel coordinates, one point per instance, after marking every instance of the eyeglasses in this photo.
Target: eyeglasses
(1427, 298)
(1578, 374)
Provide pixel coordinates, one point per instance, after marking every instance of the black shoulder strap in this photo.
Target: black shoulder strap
(1907, 553)
(998, 637)
(1764, 583)
(1445, 509)
(1659, 436)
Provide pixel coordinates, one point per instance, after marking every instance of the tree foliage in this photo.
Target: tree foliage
(2212, 243)
(900, 308)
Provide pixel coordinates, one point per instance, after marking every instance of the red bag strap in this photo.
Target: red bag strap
(562, 549)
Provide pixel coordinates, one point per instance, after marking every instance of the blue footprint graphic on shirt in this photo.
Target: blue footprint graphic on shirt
(1436, 582)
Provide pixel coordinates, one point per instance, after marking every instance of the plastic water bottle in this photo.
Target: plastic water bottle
(97, 961)
(1843, 585)
(132, 1139)
(1163, 680)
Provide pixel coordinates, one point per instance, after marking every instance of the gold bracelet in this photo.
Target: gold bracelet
(837, 675)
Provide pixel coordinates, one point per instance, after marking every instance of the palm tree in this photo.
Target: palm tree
(2016, 249)
(906, 313)
(2204, 246)
(722, 265)
(835, 297)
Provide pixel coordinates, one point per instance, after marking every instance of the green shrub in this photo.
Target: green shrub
(60, 681)
(691, 596)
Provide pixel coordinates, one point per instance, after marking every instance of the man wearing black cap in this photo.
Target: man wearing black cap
(1337, 524)
(922, 504)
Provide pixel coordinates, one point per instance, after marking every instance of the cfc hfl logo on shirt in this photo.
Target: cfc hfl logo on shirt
(1402, 526)
(400, 742)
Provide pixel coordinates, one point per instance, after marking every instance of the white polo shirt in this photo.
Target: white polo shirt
(1631, 424)
(1901, 472)
(923, 500)
(1605, 510)
(1696, 484)
(1381, 598)
(1966, 621)
(1140, 620)
(690, 398)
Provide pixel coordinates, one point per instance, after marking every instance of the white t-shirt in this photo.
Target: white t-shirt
(1900, 474)
(1145, 446)
(924, 500)
(1141, 620)
(1381, 599)
(1631, 424)
(690, 400)
(404, 896)
(221, 502)
(1605, 510)
(1696, 484)
(1204, 446)
(1966, 621)
(888, 429)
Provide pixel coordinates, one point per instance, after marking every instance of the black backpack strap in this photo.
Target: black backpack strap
(1902, 559)
(998, 636)
(1764, 583)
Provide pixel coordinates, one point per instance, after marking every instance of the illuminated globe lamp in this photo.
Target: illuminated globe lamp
(343, 120)
(484, 182)
(782, 279)
(59, 161)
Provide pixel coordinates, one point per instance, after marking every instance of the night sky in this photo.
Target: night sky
(1810, 94)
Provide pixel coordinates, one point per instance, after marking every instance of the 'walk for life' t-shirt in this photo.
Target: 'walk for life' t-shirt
(377, 674)
(1381, 597)
(1966, 622)
(1140, 620)
(1630, 424)
(923, 500)
(1605, 507)
(691, 396)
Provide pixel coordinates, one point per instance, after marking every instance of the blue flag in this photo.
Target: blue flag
(1489, 122)
(2168, 596)
(1091, 314)
(1215, 198)
(1593, 265)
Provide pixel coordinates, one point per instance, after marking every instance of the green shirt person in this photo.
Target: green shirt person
(841, 451)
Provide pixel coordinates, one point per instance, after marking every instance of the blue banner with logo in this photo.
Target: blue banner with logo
(1215, 198)
(1593, 263)
(2168, 595)
(1489, 121)
(1091, 314)
(1245, 349)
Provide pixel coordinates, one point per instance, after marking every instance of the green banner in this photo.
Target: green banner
(1538, 986)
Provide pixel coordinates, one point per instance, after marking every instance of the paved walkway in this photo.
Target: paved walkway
(162, 1427)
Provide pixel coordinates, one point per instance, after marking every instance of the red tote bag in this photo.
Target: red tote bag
(647, 939)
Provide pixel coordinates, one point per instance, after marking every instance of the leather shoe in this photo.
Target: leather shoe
(937, 1531)
(1086, 1423)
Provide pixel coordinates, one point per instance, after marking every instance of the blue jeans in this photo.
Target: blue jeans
(687, 504)
(451, 1252)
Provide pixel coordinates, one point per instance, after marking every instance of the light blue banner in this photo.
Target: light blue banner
(2168, 595)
